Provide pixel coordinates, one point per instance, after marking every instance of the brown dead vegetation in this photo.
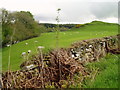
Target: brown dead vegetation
(59, 65)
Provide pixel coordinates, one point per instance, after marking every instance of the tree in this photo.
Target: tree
(6, 28)
(25, 26)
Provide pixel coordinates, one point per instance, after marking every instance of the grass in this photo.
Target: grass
(94, 30)
(107, 76)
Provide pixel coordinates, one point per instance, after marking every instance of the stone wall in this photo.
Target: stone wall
(93, 49)
(60, 64)
(85, 51)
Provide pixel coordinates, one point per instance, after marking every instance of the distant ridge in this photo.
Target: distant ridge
(92, 22)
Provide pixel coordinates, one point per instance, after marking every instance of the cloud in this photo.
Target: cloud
(77, 11)
(104, 10)
(82, 12)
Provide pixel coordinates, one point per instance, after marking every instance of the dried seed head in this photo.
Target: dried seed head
(58, 9)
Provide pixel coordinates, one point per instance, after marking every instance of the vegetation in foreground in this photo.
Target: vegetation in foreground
(89, 31)
(107, 76)
(104, 74)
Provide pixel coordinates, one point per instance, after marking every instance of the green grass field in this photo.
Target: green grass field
(107, 77)
(103, 74)
(89, 31)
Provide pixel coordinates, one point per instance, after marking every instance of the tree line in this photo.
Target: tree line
(21, 25)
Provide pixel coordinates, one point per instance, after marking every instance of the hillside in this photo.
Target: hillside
(47, 40)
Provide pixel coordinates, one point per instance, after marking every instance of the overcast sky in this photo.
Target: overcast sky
(72, 11)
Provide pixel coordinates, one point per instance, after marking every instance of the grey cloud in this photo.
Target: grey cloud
(82, 11)
(104, 9)
(43, 18)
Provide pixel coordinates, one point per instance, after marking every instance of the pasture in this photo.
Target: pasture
(48, 40)
(107, 76)
(104, 74)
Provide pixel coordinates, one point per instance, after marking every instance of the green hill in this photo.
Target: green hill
(47, 40)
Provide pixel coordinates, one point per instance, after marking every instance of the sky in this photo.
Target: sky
(72, 11)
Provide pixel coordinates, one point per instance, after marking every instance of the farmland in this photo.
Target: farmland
(66, 38)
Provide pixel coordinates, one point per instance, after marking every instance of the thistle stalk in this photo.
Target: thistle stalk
(57, 30)
(57, 42)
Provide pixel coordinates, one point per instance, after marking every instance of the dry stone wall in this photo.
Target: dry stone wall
(85, 51)
(92, 50)
(60, 64)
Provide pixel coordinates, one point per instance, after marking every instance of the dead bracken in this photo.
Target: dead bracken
(34, 75)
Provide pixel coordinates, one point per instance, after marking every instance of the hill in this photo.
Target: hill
(87, 31)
